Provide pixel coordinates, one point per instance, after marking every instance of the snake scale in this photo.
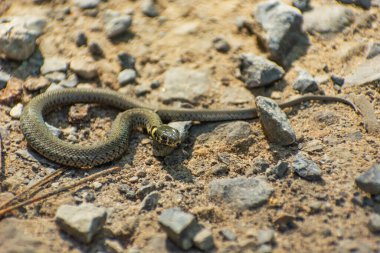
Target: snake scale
(135, 114)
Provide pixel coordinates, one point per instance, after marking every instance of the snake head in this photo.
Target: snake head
(166, 135)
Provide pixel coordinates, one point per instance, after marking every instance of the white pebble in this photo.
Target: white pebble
(16, 111)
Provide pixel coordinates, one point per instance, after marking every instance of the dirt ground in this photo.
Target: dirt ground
(345, 149)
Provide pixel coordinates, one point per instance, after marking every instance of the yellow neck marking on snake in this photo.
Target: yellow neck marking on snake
(152, 130)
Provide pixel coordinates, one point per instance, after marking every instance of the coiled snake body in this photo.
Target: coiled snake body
(134, 114)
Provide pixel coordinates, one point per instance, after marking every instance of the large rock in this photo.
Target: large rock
(256, 71)
(82, 222)
(282, 27)
(365, 73)
(185, 84)
(369, 181)
(240, 193)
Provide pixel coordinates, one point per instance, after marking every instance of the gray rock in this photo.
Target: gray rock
(54, 64)
(374, 50)
(33, 24)
(84, 68)
(236, 95)
(305, 83)
(374, 223)
(87, 4)
(337, 80)
(221, 45)
(81, 39)
(16, 111)
(203, 240)
(369, 181)
(127, 76)
(128, 192)
(149, 8)
(279, 171)
(282, 25)
(150, 202)
(82, 222)
(16, 43)
(36, 83)
(327, 19)
(365, 73)
(116, 23)
(241, 193)
(265, 236)
(184, 84)
(302, 5)
(257, 71)
(306, 168)
(126, 60)
(180, 227)
(4, 78)
(275, 124)
(145, 190)
(95, 50)
(228, 234)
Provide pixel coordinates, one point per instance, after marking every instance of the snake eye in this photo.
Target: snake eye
(166, 135)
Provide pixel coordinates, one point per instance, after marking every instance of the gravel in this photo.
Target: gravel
(145, 190)
(127, 76)
(257, 71)
(240, 193)
(82, 222)
(305, 83)
(275, 124)
(306, 168)
(369, 181)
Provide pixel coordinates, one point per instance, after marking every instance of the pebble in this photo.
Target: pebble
(235, 191)
(282, 26)
(127, 76)
(265, 236)
(327, 19)
(82, 222)
(145, 190)
(16, 111)
(306, 168)
(87, 4)
(70, 82)
(374, 223)
(126, 61)
(374, 50)
(4, 78)
(203, 240)
(128, 192)
(97, 185)
(36, 83)
(256, 71)
(337, 80)
(81, 39)
(184, 84)
(180, 227)
(276, 125)
(116, 23)
(84, 68)
(12, 92)
(56, 77)
(228, 234)
(221, 45)
(302, 5)
(95, 50)
(369, 181)
(149, 8)
(54, 64)
(305, 83)
(280, 170)
(150, 202)
(187, 28)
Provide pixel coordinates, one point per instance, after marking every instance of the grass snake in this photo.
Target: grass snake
(135, 114)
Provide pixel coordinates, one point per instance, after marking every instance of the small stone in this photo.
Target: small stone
(149, 8)
(126, 61)
(127, 76)
(240, 193)
(82, 222)
(280, 170)
(265, 236)
(12, 92)
(275, 124)
(265, 249)
(337, 80)
(180, 227)
(228, 234)
(97, 185)
(257, 71)
(116, 23)
(145, 190)
(150, 202)
(302, 5)
(374, 223)
(374, 50)
(155, 85)
(4, 78)
(221, 45)
(369, 181)
(95, 50)
(16, 111)
(84, 68)
(128, 192)
(142, 90)
(87, 4)
(306, 168)
(36, 83)
(70, 82)
(203, 240)
(81, 39)
(305, 83)
(54, 64)
(56, 77)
